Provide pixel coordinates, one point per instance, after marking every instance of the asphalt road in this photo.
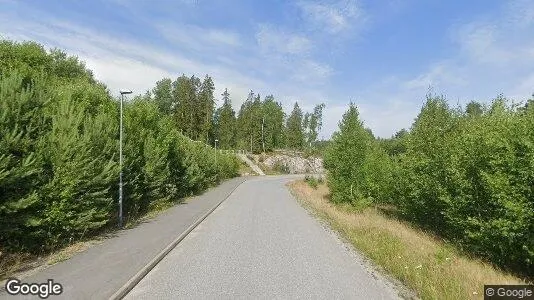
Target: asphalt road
(261, 244)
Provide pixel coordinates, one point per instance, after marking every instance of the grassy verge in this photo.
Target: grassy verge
(429, 266)
(23, 264)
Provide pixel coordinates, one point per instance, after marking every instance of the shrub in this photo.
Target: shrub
(312, 181)
(464, 175)
(59, 162)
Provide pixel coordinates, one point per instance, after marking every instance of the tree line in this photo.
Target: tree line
(466, 174)
(260, 125)
(59, 163)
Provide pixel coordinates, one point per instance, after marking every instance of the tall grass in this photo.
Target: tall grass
(431, 267)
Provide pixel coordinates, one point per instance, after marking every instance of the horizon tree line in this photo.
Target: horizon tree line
(260, 125)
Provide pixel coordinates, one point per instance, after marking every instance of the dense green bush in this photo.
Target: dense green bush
(359, 170)
(59, 152)
(468, 176)
(312, 181)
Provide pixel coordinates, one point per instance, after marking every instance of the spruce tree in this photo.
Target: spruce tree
(226, 123)
(273, 123)
(181, 91)
(294, 129)
(205, 107)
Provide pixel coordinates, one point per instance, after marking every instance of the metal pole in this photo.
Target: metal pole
(120, 165)
(262, 138)
(215, 152)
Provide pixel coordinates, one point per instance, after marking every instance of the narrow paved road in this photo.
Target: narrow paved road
(261, 244)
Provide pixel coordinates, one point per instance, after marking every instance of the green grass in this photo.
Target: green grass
(430, 267)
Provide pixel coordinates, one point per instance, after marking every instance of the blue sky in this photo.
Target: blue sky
(384, 55)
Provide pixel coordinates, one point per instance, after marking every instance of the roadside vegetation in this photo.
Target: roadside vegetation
(426, 264)
(59, 163)
(464, 174)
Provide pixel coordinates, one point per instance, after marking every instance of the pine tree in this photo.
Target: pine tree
(244, 122)
(273, 123)
(205, 109)
(22, 122)
(226, 123)
(294, 129)
(257, 118)
(195, 109)
(181, 94)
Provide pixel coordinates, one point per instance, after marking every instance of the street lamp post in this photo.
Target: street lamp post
(262, 138)
(216, 140)
(123, 92)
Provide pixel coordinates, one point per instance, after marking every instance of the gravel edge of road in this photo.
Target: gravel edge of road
(374, 270)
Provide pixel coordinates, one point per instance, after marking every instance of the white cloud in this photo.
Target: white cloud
(480, 42)
(494, 56)
(288, 53)
(309, 71)
(198, 38)
(334, 17)
(275, 40)
(521, 13)
(523, 89)
(441, 74)
(123, 62)
(383, 118)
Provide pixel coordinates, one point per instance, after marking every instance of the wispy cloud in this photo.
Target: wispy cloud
(494, 56)
(198, 38)
(286, 52)
(271, 39)
(308, 55)
(333, 17)
(441, 74)
(312, 72)
(521, 13)
(122, 62)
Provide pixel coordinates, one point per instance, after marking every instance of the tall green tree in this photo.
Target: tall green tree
(205, 108)
(257, 119)
(196, 109)
(314, 124)
(225, 121)
(294, 129)
(244, 121)
(273, 123)
(163, 95)
(345, 158)
(182, 92)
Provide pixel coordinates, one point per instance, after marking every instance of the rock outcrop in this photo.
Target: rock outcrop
(294, 164)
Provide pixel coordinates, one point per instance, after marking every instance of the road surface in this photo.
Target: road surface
(260, 244)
